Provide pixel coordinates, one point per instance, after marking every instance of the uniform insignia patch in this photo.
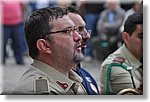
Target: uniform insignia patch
(93, 88)
(119, 59)
(41, 86)
(62, 84)
(88, 79)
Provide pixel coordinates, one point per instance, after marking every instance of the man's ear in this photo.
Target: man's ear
(43, 46)
(125, 37)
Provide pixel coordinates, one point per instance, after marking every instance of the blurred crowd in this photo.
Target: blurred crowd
(104, 17)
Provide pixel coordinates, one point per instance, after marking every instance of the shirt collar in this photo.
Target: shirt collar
(135, 63)
(60, 79)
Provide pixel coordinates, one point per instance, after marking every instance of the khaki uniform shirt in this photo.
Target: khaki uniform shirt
(119, 77)
(43, 79)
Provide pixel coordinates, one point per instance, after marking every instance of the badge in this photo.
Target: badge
(93, 88)
(41, 86)
(88, 79)
(63, 85)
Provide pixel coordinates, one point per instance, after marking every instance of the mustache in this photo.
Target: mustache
(84, 41)
(78, 44)
(81, 43)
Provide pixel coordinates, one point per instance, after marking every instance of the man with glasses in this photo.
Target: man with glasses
(55, 47)
(88, 81)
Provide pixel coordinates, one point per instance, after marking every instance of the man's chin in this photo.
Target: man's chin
(78, 57)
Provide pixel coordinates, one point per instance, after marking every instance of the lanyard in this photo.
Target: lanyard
(108, 75)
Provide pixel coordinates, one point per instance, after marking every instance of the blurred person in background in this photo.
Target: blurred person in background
(13, 29)
(137, 7)
(90, 13)
(108, 26)
(35, 5)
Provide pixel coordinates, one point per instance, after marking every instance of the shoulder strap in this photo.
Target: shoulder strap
(41, 86)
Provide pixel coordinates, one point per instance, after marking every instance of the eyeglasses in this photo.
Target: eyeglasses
(69, 31)
(89, 31)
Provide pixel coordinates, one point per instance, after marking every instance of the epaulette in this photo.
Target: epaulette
(41, 86)
(119, 60)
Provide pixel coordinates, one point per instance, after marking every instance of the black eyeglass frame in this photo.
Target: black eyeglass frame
(66, 31)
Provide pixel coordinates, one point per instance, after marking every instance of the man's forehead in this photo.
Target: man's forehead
(63, 22)
(77, 19)
(139, 27)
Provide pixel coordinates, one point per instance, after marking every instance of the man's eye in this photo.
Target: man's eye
(68, 30)
(81, 28)
(141, 37)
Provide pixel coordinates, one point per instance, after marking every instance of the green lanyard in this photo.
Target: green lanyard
(108, 75)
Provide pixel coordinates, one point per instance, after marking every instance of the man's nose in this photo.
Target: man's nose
(86, 34)
(77, 37)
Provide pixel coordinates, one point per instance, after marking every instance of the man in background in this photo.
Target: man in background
(123, 69)
(88, 81)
